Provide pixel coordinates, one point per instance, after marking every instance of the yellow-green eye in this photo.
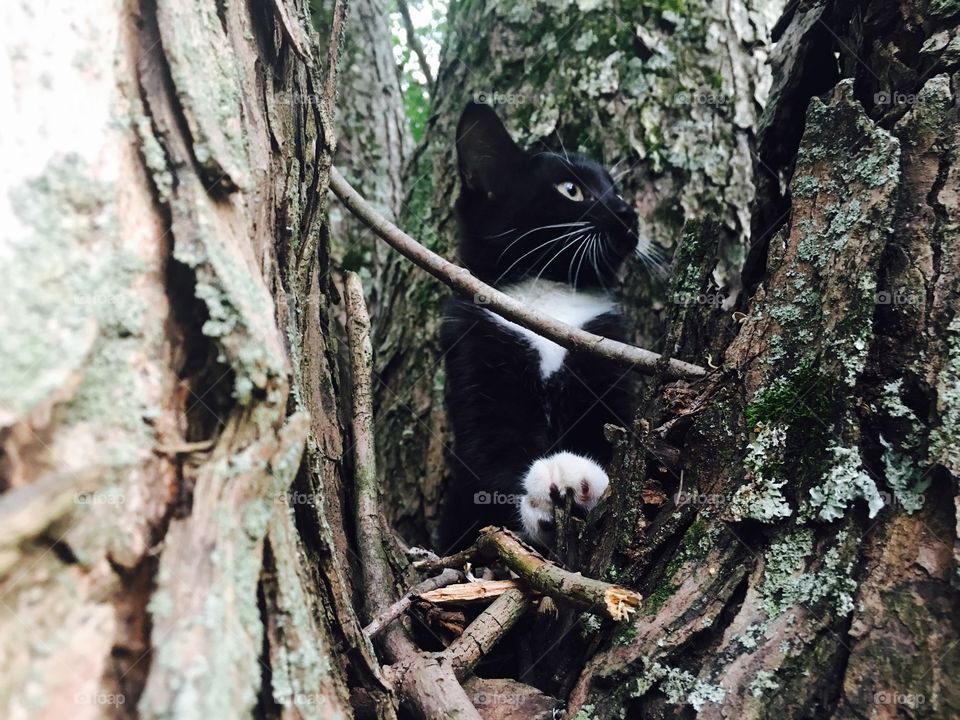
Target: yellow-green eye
(570, 190)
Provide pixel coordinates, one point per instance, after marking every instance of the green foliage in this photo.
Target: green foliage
(430, 33)
(416, 104)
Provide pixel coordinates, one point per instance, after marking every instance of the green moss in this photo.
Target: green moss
(626, 635)
(696, 542)
(585, 713)
(802, 395)
(655, 600)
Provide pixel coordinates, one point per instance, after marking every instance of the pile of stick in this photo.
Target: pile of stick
(432, 682)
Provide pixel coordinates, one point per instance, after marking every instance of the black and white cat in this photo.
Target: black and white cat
(550, 230)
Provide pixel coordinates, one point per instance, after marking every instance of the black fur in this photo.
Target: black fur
(504, 414)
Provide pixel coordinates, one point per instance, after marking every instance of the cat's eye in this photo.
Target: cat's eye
(570, 190)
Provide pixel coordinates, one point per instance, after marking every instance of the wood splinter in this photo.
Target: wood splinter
(471, 592)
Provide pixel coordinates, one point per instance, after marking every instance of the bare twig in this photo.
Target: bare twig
(483, 633)
(420, 678)
(457, 560)
(465, 283)
(599, 597)
(447, 577)
(414, 42)
(377, 577)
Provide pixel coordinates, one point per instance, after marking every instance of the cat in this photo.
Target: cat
(527, 415)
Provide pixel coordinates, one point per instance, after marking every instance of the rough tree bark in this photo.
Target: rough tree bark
(808, 567)
(171, 448)
(668, 94)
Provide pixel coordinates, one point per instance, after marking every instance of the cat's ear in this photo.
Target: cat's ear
(486, 154)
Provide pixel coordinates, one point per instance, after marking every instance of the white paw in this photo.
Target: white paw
(551, 477)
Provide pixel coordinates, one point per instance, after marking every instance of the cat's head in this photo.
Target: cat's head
(536, 214)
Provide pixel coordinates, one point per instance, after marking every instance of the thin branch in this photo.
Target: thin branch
(447, 577)
(613, 601)
(457, 560)
(414, 42)
(462, 281)
(485, 631)
(377, 577)
(419, 678)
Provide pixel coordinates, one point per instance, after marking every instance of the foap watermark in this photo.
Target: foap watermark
(888, 97)
(301, 699)
(100, 497)
(494, 699)
(496, 498)
(707, 98)
(295, 497)
(99, 698)
(481, 298)
(915, 501)
(688, 299)
(699, 499)
(495, 97)
(100, 299)
(889, 697)
(895, 297)
(299, 98)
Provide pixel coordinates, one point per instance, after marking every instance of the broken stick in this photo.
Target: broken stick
(612, 601)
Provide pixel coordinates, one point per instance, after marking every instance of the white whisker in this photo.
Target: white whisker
(558, 253)
(583, 254)
(579, 223)
(530, 252)
(655, 259)
(571, 279)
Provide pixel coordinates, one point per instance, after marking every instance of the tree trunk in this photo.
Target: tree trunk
(807, 567)
(171, 447)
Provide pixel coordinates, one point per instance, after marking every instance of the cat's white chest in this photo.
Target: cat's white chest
(560, 301)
